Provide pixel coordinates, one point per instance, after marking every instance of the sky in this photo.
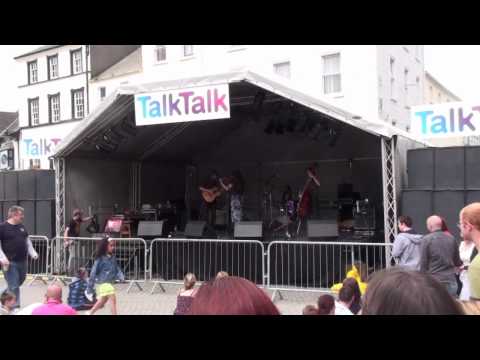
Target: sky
(455, 66)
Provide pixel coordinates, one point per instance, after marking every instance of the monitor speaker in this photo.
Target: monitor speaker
(150, 229)
(322, 228)
(195, 229)
(248, 229)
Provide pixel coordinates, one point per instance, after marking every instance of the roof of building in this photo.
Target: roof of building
(7, 122)
(441, 86)
(38, 50)
(128, 65)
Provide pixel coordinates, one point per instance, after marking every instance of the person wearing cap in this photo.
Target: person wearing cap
(73, 231)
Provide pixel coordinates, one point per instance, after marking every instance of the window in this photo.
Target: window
(33, 112)
(405, 79)
(77, 104)
(331, 74)
(76, 61)
(282, 69)
(380, 105)
(187, 50)
(32, 72)
(392, 78)
(52, 67)
(35, 164)
(103, 92)
(160, 53)
(54, 108)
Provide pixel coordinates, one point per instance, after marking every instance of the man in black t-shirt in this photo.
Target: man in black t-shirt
(73, 231)
(15, 246)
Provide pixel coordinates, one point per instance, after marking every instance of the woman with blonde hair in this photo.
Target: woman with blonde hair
(186, 294)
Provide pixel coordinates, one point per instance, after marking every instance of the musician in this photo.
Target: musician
(73, 231)
(304, 208)
(235, 185)
(211, 186)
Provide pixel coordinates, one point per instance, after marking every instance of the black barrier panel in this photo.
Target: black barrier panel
(26, 185)
(420, 168)
(11, 186)
(45, 185)
(449, 168)
(45, 218)
(448, 204)
(29, 220)
(171, 260)
(473, 196)
(472, 164)
(418, 205)
(2, 186)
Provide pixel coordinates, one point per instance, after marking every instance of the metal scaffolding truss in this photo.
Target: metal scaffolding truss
(135, 177)
(60, 196)
(389, 189)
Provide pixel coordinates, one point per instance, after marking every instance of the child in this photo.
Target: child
(76, 292)
(186, 294)
(310, 310)
(8, 300)
(105, 272)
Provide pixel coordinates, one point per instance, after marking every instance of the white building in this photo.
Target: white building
(378, 82)
(55, 94)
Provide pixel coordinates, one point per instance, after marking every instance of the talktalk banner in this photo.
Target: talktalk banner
(445, 120)
(190, 104)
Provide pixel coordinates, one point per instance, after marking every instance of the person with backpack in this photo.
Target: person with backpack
(105, 272)
(76, 292)
(406, 247)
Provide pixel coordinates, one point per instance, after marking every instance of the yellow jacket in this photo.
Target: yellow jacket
(352, 274)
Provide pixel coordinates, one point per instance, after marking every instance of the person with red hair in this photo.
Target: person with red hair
(231, 295)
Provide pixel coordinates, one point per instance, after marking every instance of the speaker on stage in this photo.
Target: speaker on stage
(248, 230)
(195, 229)
(322, 228)
(150, 229)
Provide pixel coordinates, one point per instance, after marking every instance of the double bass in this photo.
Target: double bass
(305, 198)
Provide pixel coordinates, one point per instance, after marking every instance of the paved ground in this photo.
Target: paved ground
(138, 302)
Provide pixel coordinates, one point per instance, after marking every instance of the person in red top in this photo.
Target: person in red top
(304, 207)
(53, 303)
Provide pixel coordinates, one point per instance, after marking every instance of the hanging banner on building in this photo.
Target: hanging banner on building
(180, 105)
(39, 143)
(446, 120)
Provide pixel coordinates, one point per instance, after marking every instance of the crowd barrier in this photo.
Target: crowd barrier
(39, 269)
(171, 259)
(283, 265)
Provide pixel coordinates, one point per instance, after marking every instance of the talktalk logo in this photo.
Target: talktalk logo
(40, 147)
(454, 120)
(183, 103)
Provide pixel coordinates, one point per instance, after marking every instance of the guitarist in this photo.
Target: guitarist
(304, 208)
(211, 188)
(235, 186)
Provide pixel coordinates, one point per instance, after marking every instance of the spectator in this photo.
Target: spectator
(345, 300)
(406, 247)
(186, 294)
(76, 293)
(470, 229)
(15, 246)
(105, 272)
(310, 310)
(357, 296)
(8, 300)
(53, 303)
(440, 256)
(222, 274)
(326, 305)
(471, 307)
(232, 296)
(398, 291)
(466, 255)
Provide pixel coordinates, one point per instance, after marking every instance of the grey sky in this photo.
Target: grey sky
(455, 66)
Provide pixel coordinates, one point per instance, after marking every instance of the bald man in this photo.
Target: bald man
(439, 255)
(53, 303)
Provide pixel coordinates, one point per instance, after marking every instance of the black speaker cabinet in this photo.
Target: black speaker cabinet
(150, 229)
(248, 229)
(195, 229)
(322, 228)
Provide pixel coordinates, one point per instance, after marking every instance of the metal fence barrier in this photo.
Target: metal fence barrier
(39, 268)
(316, 266)
(69, 254)
(171, 259)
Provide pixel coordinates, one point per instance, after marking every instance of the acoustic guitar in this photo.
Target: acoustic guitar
(211, 195)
